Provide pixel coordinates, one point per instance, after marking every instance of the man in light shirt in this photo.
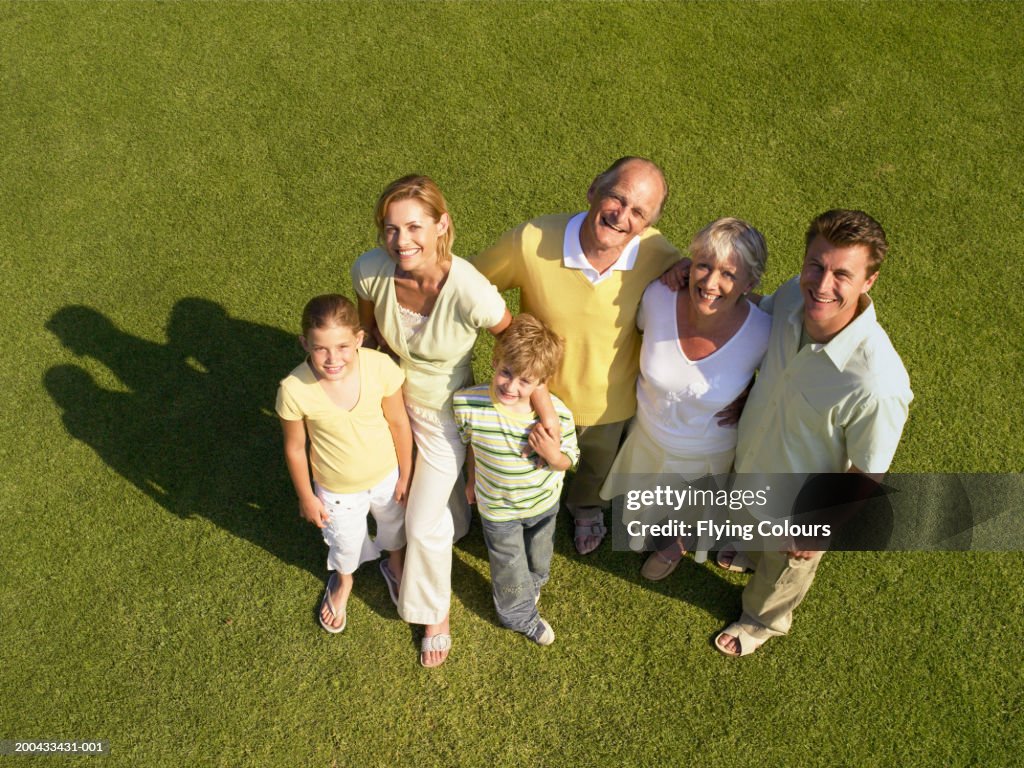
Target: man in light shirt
(832, 396)
(583, 276)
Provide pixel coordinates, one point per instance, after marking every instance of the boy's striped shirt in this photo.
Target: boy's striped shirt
(509, 487)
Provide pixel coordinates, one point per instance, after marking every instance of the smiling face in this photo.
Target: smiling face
(411, 234)
(513, 389)
(716, 285)
(621, 207)
(832, 281)
(331, 351)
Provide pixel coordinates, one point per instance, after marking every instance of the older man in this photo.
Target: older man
(583, 275)
(832, 396)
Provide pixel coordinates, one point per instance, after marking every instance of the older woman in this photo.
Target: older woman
(700, 349)
(426, 306)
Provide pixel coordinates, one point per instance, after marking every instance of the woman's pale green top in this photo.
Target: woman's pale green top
(437, 360)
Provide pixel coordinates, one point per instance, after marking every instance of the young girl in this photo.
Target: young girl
(348, 400)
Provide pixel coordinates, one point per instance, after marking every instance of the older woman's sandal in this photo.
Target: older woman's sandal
(657, 567)
(660, 564)
(592, 528)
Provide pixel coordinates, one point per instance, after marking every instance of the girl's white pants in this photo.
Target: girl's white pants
(346, 534)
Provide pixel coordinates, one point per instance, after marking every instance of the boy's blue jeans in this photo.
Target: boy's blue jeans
(520, 552)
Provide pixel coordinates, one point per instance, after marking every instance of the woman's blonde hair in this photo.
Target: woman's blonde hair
(424, 190)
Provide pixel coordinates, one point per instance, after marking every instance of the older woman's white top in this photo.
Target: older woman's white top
(677, 398)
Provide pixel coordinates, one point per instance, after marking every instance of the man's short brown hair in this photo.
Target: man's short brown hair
(843, 227)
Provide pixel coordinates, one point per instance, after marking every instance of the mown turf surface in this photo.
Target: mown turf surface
(177, 179)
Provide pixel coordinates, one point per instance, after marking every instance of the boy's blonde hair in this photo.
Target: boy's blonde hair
(529, 348)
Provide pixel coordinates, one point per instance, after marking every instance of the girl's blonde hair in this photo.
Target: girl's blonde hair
(329, 310)
(424, 190)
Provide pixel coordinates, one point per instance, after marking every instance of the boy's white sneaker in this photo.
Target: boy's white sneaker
(542, 634)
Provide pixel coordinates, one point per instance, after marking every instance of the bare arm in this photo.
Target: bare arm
(373, 339)
(677, 276)
(540, 401)
(470, 475)
(295, 457)
(398, 422)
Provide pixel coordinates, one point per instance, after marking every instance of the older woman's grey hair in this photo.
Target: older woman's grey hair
(725, 237)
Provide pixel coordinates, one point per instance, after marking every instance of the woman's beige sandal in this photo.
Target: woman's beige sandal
(441, 642)
(735, 561)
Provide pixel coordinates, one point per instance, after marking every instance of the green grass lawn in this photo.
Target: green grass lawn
(177, 179)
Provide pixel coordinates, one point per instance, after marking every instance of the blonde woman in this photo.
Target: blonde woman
(426, 306)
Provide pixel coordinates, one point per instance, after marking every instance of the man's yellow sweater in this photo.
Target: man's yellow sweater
(598, 322)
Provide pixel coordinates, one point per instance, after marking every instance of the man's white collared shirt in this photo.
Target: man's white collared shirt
(573, 257)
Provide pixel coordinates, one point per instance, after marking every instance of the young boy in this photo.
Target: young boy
(517, 499)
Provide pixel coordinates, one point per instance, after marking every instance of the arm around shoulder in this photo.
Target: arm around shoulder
(540, 401)
(499, 263)
(550, 449)
(372, 337)
(559, 447)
